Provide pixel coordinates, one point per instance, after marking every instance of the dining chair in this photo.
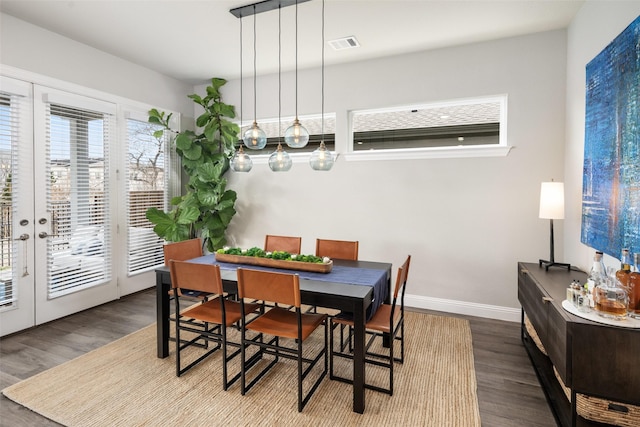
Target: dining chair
(277, 331)
(215, 315)
(387, 320)
(182, 251)
(282, 243)
(337, 249)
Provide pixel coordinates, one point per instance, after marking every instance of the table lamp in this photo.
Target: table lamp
(552, 207)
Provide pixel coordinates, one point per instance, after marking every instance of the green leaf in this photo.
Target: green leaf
(210, 171)
(154, 119)
(210, 130)
(208, 198)
(178, 233)
(156, 216)
(227, 110)
(224, 204)
(183, 141)
(215, 223)
(226, 215)
(192, 153)
(218, 82)
(213, 92)
(203, 119)
(188, 215)
(196, 98)
(230, 195)
(176, 200)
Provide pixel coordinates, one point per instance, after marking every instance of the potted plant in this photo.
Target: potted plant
(208, 206)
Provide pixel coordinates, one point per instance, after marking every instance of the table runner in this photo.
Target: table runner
(339, 274)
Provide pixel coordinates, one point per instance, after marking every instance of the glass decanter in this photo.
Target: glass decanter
(611, 297)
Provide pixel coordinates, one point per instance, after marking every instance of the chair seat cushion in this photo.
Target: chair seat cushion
(284, 323)
(211, 312)
(379, 322)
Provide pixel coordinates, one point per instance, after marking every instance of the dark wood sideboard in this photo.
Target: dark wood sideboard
(591, 358)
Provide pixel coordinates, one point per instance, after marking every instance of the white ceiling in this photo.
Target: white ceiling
(196, 40)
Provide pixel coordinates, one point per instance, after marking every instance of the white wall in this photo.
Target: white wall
(30, 48)
(466, 222)
(594, 27)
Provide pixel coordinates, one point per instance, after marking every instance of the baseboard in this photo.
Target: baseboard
(462, 307)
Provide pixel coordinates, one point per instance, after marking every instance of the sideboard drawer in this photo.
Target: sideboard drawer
(557, 345)
(532, 298)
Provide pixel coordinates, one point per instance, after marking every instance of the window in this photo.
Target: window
(471, 127)
(313, 125)
(78, 142)
(148, 185)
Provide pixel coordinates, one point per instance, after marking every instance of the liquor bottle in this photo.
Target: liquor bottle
(634, 287)
(611, 298)
(583, 299)
(625, 268)
(598, 273)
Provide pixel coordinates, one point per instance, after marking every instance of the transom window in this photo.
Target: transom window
(443, 127)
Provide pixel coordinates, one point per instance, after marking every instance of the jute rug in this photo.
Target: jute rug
(124, 384)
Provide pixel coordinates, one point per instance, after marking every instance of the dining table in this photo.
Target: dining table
(356, 287)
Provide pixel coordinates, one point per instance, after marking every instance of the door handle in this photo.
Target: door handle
(43, 235)
(23, 236)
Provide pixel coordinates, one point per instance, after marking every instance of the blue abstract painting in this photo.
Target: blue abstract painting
(611, 174)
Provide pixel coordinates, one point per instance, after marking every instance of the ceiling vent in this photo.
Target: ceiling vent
(344, 43)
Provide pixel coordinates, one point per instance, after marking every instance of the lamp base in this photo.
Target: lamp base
(548, 264)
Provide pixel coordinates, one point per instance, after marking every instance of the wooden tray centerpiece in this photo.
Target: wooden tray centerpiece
(276, 259)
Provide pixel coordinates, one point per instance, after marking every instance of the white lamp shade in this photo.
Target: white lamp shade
(552, 200)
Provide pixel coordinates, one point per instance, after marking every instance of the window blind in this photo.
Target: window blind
(148, 172)
(13, 109)
(78, 197)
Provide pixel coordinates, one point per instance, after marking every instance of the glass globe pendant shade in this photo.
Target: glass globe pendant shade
(296, 135)
(241, 162)
(254, 137)
(279, 160)
(321, 159)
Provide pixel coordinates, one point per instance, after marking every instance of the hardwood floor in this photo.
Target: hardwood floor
(508, 391)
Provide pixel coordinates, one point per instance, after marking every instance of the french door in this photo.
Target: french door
(58, 200)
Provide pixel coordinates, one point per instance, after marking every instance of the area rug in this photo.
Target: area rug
(124, 384)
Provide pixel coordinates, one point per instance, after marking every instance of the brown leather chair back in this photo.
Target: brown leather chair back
(282, 243)
(337, 249)
(280, 288)
(182, 251)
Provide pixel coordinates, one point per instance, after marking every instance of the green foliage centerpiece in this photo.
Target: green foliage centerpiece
(207, 207)
(276, 259)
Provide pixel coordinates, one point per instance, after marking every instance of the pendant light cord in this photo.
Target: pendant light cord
(296, 59)
(279, 73)
(241, 97)
(255, 97)
(322, 74)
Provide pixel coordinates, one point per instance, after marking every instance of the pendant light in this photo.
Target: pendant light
(296, 135)
(241, 162)
(254, 138)
(279, 160)
(322, 159)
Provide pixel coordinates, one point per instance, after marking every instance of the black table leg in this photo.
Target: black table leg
(359, 320)
(162, 316)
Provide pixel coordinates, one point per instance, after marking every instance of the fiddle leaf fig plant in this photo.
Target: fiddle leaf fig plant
(208, 206)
